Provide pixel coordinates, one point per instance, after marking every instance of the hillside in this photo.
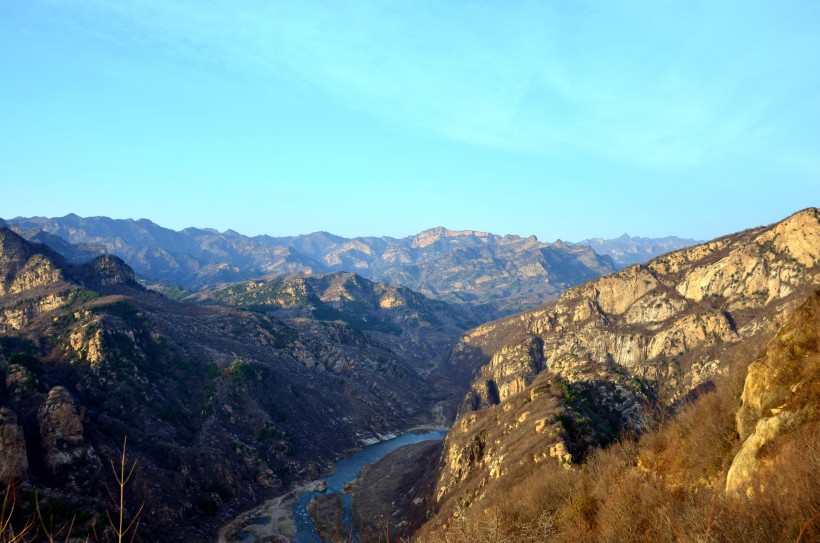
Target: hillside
(418, 329)
(496, 274)
(612, 355)
(222, 407)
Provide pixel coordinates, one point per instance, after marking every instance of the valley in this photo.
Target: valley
(272, 359)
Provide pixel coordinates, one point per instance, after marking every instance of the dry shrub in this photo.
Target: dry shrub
(635, 510)
(674, 494)
(696, 447)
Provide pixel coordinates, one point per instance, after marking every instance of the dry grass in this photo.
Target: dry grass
(666, 486)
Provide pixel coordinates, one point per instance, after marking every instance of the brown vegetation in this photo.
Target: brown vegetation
(667, 485)
(327, 513)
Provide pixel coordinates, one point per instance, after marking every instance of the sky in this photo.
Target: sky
(560, 119)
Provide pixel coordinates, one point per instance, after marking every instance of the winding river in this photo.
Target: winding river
(345, 471)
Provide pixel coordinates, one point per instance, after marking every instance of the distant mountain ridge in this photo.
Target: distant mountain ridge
(497, 274)
(627, 250)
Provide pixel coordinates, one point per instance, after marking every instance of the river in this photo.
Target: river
(345, 471)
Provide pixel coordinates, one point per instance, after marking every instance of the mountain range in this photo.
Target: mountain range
(627, 250)
(669, 400)
(496, 275)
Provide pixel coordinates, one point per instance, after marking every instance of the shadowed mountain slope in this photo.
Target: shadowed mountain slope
(222, 407)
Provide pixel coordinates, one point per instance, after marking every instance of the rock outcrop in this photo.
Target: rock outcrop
(35, 280)
(61, 435)
(13, 459)
(781, 391)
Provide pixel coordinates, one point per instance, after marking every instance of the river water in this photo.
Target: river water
(348, 470)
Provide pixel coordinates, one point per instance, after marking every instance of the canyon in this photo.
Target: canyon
(242, 381)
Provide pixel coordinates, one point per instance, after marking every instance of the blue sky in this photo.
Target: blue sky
(560, 119)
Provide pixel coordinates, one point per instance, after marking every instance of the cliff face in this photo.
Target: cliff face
(555, 381)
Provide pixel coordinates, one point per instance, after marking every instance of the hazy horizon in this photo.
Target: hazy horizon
(409, 234)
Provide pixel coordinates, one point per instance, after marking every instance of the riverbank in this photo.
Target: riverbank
(396, 494)
(247, 526)
(285, 518)
(270, 522)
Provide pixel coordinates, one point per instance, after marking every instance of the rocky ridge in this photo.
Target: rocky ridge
(780, 393)
(418, 329)
(501, 274)
(556, 381)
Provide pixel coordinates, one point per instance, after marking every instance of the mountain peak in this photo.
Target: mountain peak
(432, 235)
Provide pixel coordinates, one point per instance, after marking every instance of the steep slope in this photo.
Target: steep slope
(627, 250)
(694, 475)
(781, 393)
(498, 274)
(555, 382)
(222, 408)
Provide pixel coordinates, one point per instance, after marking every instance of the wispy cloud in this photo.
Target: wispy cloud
(630, 81)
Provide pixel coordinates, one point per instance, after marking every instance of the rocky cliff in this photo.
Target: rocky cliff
(555, 382)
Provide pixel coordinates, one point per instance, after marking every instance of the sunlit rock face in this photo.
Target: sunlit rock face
(607, 349)
(781, 392)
